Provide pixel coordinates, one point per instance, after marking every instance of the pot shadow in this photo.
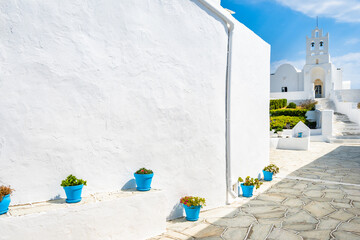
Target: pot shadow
(129, 185)
(56, 200)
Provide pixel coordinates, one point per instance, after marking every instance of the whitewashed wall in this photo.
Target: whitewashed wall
(250, 88)
(286, 76)
(101, 89)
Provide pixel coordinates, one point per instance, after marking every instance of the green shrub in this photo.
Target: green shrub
(358, 105)
(144, 171)
(272, 168)
(291, 105)
(5, 190)
(308, 104)
(72, 181)
(288, 112)
(277, 103)
(191, 201)
(251, 182)
(281, 121)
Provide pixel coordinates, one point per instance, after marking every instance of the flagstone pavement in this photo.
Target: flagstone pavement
(315, 196)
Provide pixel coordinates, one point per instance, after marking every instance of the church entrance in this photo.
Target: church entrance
(318, 88)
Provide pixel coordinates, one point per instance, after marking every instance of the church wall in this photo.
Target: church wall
(285, 76)
(99, 90)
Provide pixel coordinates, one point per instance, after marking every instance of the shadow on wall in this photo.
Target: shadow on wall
(131, 184)
(291, 208)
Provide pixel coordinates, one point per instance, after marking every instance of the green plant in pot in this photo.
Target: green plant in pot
(269, 171)
(73, 188)
(192, 206)
(143, 178)
(248, 185)
(5, 192)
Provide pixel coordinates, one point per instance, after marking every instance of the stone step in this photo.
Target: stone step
(344, 140)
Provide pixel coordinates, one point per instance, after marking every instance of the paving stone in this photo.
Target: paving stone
(355, 211)
(291, 202)
(346, 235)
(319, 209)
(341, 215)
(180, 224)
(235, 233)
(334, 195)
(241, 221)
(271, 197)
(356, 220)
(300, 186)
(350, 227)
(316, 234)
(259, 231)
(275, 221)
(299, 227)
(328, 223)
(203, 230)
(266, 211)
(320, 199)
(281, 234)
(220, 212)
(256, 202)
(285, 191)
(210, 238)
(340, 205)
(313, 193)
(356, 204)
(352, 197)
(354, 192)
(176, 235)
(300, 221)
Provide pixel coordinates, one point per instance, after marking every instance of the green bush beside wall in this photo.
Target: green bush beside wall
(278, 103)
(289, 112)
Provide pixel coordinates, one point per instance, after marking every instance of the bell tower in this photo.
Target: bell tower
(317, 48)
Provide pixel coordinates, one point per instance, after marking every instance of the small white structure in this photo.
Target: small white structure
(299, 139)
(318, 78)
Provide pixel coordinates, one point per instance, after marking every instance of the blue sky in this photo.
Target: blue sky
(285, 24)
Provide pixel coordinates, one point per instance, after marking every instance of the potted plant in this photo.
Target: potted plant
(269, 171)
(143, 178)
(248, 186)
(5, 192)
(192, 206)
(73, 188)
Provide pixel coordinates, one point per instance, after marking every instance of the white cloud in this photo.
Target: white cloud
(341, 10)
(352, 41)
(350, 63)
(299, 64)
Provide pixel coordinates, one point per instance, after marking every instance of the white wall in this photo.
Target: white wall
(348, 95)
(101, 89)
(249, 103)
(286, 76)
(291, 96)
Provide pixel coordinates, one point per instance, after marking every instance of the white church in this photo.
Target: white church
(319, 78)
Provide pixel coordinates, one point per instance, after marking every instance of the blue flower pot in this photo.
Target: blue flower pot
(4, 204)
(247, 190)
(300, 134)
(73, 193)
(267, 175)
(192, 213)
(143, 181)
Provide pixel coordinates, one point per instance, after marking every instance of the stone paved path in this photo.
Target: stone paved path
(320, 199)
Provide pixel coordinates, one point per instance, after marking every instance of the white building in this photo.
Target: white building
(319, 78)
(101, 89)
